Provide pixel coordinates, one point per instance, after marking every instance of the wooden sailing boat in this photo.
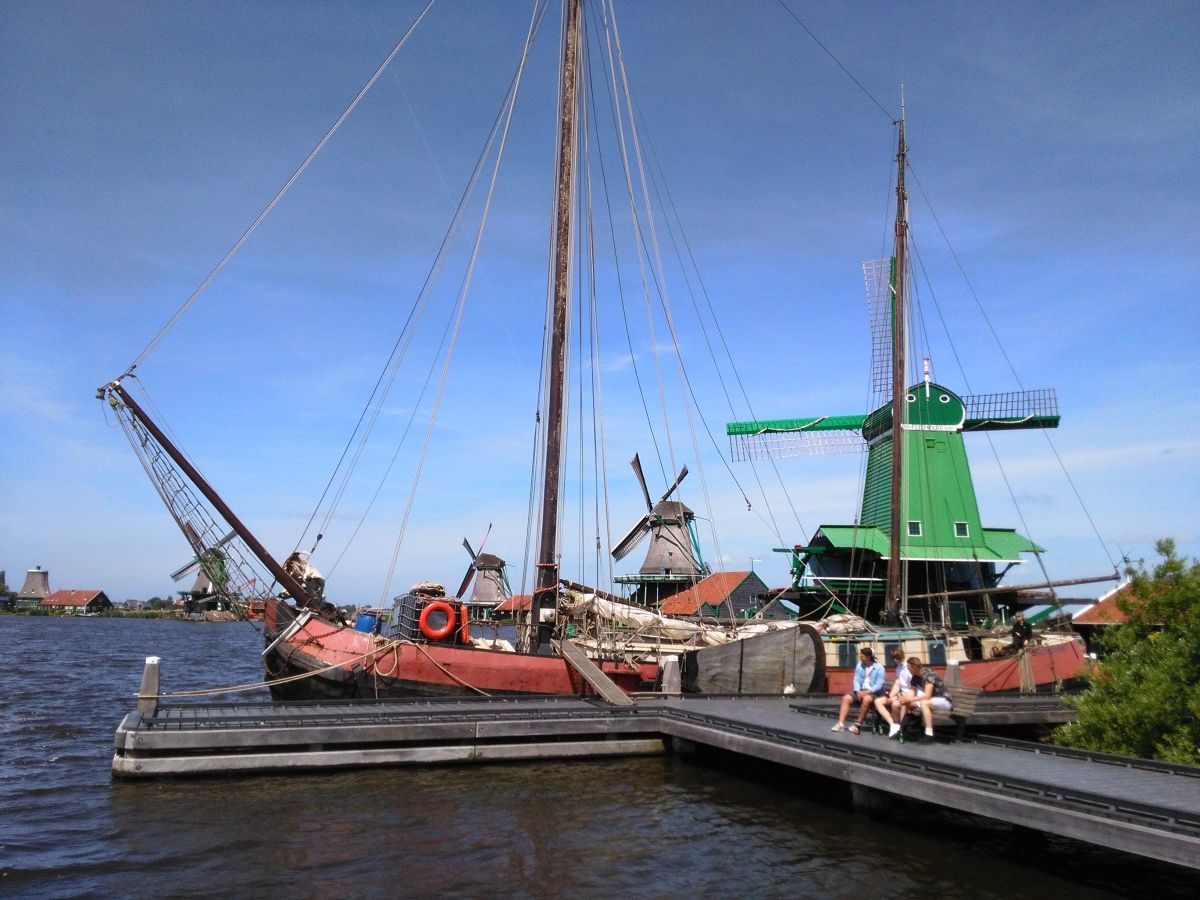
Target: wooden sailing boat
(918, 569)
(428, 647)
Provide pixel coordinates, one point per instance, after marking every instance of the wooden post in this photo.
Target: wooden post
(148, 695)
(953, 674)
(1028, 686)
(671, 680)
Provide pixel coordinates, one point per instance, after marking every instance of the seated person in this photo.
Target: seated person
(1022, 634)
(868, 685)
(901, 687)
(929, 694)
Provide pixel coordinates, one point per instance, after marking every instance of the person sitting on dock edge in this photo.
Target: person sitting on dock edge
(901, 687)
(929, 693)
(868, 685)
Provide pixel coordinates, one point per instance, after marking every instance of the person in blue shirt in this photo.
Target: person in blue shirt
(868, 684)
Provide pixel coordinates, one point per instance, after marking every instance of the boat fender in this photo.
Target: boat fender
(464, 625)
(444, 631)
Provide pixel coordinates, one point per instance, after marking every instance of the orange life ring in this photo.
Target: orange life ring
(464, 625)
(438, 634)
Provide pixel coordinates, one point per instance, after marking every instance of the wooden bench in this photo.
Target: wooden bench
(962, 700)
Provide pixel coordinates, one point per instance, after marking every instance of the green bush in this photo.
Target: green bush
(1144, 697)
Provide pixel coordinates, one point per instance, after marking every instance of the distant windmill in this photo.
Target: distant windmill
(204, 585)
(672, 560)
(487, 569)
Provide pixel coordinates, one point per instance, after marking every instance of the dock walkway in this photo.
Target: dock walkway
(1141, 807)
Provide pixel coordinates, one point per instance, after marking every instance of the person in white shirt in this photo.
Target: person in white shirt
(891, 707)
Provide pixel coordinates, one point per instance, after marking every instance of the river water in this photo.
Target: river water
(657, 827)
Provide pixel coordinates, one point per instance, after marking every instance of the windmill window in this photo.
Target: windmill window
(961, 530)
(914, 529)
(944, 399)
(911, 398)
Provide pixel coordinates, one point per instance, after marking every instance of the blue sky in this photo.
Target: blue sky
(1057, 143)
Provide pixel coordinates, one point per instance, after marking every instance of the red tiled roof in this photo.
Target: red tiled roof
(516, 603)
(70, 598)
(712, 591)
(1106, 611)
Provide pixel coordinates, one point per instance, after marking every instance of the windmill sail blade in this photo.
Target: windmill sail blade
(185, 570)
(877, 278)
(780, 438)
(678, 481)
(631, 540)
(636, 462)
(466, 582)
(188, 568)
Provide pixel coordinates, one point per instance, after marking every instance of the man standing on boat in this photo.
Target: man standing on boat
(868, 685)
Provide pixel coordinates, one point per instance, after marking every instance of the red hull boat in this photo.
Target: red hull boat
(309, 658)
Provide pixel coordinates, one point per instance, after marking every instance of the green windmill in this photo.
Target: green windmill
(919, 553)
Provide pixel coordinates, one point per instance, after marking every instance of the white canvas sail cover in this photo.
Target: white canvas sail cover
(644, 620)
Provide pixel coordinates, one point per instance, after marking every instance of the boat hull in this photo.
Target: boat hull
(1051, 664)
(331, 662)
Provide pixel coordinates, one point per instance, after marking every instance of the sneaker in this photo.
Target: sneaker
(927, 739)
(854, 728)
(838, 727)
(894, 730)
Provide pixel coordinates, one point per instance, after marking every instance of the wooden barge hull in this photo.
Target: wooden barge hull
(329, 662)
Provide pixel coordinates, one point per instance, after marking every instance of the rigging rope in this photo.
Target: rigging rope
(829, 53)
(279, 194)
(404, 340)
(1012, 369)
(464, 291)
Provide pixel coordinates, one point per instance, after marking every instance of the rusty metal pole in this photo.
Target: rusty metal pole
(545, 594)
(290, 584)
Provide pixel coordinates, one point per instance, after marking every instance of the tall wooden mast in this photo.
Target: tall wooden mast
(545, 594)
(899, 380)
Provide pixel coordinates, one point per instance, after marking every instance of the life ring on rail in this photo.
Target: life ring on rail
(441, 632)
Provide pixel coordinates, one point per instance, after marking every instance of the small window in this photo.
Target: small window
(961, 530)
(944, 399)
(911, 398)
(914, 529)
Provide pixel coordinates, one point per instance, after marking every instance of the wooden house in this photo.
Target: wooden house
(722, 595)
(76, 603)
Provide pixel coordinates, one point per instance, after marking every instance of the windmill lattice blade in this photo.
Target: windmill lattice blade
(636, 462)
(877, 274)
(631, 540)
(188, 568)
(466, 582)
(781, 445)
(678, 481)
(185, 570)
(1012, 405)
(467, 547)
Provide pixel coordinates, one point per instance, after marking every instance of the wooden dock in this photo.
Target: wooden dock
(1137, 806)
